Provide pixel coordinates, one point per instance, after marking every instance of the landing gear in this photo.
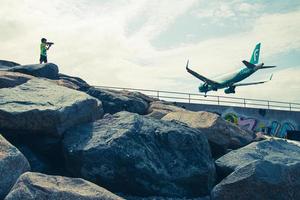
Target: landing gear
(204, 89)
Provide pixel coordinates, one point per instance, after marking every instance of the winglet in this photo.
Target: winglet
(187, 64)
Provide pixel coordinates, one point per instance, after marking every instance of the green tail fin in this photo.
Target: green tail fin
(255, 54)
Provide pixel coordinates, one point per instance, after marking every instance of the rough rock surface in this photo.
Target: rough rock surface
(165, 198)
(4, 64)
(12, 165)
(41, 106)
(142, 156)
(158, 109)
(268, 169)
(221, 134)
(12, 79)
(273, 150)
(115, 101)
(48, 70)
(41, 187)
(261, 179)
(72, 82)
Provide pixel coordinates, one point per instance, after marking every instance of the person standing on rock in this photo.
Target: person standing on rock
(45, 46)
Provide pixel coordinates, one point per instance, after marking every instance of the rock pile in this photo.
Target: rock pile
(60, 138)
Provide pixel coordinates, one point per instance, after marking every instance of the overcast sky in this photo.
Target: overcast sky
(145, 43)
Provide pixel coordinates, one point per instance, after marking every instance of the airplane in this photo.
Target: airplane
(230, 81)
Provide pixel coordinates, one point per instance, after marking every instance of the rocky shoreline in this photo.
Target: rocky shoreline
(63, 139)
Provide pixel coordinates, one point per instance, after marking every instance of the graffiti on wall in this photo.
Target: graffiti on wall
(269, 127)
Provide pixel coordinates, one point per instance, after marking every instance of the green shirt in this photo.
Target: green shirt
(43, 49)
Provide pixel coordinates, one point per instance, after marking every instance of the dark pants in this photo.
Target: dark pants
(43, 59)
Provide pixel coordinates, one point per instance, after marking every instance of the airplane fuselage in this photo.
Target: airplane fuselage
(228, 80)
(241, 75)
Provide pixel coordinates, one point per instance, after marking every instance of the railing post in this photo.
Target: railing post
(290, 106)
(218, 100)
(189, 98)
(244, 102)
(158, 94)
(268, 104)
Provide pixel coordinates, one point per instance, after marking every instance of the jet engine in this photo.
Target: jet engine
(204, 88)
(230, 90)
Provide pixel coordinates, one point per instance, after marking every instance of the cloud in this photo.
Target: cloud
(110, 42)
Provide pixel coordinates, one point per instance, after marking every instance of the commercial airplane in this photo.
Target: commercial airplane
(230, 81)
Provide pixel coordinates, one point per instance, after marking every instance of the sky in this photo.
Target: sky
(146, 43)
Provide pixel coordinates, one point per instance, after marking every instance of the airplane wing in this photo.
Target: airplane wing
(202, 78)
(253, 83)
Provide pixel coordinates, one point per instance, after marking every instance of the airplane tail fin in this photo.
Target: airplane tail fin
(255, 55)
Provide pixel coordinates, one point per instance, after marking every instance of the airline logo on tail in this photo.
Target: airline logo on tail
(255, 55)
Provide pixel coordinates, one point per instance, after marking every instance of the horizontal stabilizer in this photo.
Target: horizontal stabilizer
(249, 65)
(266, 67)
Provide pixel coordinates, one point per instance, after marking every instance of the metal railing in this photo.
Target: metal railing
(182, 97)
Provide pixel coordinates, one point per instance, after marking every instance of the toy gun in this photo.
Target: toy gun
(49, 43)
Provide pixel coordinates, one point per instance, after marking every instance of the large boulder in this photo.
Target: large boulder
(268, 169)
(44, 107)
(221, 134)
(48, 70)
(12, 165)
(158, 109)
(274, 150)
(4, 64)
(72, 82)
(261, 179)
(41, 187)
(116, 101)
(12, 79)
(142, 156)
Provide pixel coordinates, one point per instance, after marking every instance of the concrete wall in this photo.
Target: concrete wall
(272, 122)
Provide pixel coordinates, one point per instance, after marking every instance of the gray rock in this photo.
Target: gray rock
(158, 109)
(4, 64)
(221, 134)
(12, 79)
(271, 150)
(116, 101)
(41, 187)
(12, 165)
(48, 70)
(141, 156)
(44, 107)
(72, 82)
(165, 198)
(261, 179)
(136, 94)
